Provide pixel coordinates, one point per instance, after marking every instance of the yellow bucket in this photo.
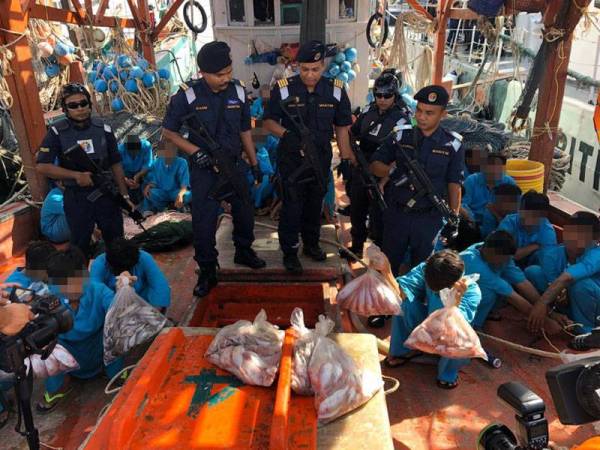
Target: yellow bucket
(527, 174)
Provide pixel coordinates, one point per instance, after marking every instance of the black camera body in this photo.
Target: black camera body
(38, 336)
(574, 389)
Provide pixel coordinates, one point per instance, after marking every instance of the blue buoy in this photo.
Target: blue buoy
(131, 85)
(123, 61)
(117, 104)
(346, 66)
(343, 76)
(61, 49)
(143, 64)
(351, 54)
(92, 76)
(100, 86)
(148, 79)
(123, 75)
(340, 57)
(164, 74)
(52, 70)
(351, 75)
(110, 72)
(136, 72)
(334, 69)
(113, 85)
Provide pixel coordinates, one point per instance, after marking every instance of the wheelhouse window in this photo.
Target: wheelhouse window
(347, 9)
(263, 12)
(291, 12)
(237, 13)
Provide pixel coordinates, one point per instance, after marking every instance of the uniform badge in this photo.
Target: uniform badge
(44, 150)
(432, 97)
(87, 145)
(317, 56)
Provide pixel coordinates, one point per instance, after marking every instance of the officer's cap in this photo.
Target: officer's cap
(433, 95)
(311, 51)
(214, 57)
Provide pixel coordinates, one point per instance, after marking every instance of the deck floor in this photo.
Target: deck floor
(422, 416)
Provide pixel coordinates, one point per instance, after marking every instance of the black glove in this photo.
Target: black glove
(202, 159)
(449, 231)
(256, 173)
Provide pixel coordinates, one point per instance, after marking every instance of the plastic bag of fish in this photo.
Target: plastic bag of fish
(303, 349)
(446, 332)
(339, 385)
(60, 360)
(249, 350)
(130, 321)
(372, 293)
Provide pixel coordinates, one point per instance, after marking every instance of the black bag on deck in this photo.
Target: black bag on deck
(165, 236)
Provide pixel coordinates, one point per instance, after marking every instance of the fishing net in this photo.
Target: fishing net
(249, 350)
(130, 321)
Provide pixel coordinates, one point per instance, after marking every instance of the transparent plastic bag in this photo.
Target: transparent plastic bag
(59, 361)
(130, 321)
(339, 385)
(249, 350)
(303, 349)
(372, 293)
(446, 332)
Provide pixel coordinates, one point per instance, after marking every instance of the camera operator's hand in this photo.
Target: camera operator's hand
(13, 317)
(537, 316)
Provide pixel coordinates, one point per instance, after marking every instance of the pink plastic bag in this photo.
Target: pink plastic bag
(446, 332)
(249, 350)
(339, 385)
(371, 294)
(303, 350)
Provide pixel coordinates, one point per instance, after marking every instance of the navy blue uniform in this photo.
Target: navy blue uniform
(326, 106)
(442, 158)
(82, 215)
(371, 127)
(225, 115)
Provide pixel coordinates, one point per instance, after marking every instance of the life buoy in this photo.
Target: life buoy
(187, 18)
(386, 29)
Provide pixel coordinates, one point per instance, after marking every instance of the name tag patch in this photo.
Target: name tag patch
(438, 151)
(87, 145)
(325, 105)
(201, 108)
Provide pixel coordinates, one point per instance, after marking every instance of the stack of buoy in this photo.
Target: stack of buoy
(124, 75)
(54, 53)
(344, 66)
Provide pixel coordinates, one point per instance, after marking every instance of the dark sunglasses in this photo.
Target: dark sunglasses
(384, 95)
(81, 104)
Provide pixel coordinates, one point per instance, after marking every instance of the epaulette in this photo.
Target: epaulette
(456, 135)
(282, 83)
(239, 89)
(456, 142)
(238, 82)
(338, 83)
(283, 88)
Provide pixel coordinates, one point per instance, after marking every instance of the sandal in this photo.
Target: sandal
(49, 402)
(447, 384)
(400, 360)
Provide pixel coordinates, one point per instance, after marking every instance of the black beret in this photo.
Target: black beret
(214, 57)
(433, 95)
(311, 51)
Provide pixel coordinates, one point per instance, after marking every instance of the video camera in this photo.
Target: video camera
(575, 389)
(39, 336)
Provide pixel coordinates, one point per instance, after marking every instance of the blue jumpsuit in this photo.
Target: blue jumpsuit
(420, 302)
(584, 291)
(143, 160)
(494, 283)
(85, 340)
(225, 115)
(442, 158)
(478, 195)
(151, 284)
(302, 203)
(543, 234)
(52, 217)
(83, 214)
(168, 181)
(18, 276)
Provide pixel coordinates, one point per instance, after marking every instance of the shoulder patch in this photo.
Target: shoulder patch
(282, 83)
(107, 128)
(338, 83)
(456, 135)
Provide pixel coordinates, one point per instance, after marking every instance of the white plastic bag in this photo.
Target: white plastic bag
(130, 321)
(59, 361)
(372, 293)
(446, 332)
(339, 385)
(303, 349)
(249, 350)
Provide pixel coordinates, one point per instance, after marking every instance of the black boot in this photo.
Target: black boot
(315, 253)
(292, 263)
(206, 280)
(356, 249)
(248, 257)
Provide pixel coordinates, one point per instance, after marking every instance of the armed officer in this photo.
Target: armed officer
(97, 139)
(372, 126)
(322, 104)
(412, 220)
(219, 102)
